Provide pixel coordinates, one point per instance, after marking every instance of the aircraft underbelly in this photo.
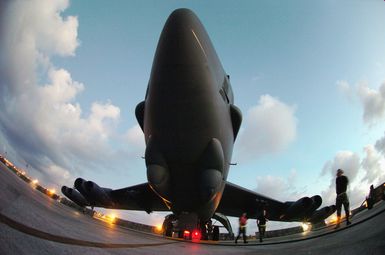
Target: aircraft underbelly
(183, 138)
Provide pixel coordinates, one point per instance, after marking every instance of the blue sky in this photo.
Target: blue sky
(308, 77)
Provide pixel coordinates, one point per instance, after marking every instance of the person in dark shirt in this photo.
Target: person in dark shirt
(370, 200)
(261, 222)
(342, 198)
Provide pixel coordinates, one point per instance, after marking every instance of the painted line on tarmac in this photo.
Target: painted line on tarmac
(66, 240)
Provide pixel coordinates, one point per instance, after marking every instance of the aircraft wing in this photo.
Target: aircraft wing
(139, 197)
(237, 200)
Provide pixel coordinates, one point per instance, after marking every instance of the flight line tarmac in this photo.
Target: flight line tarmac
(32, 223)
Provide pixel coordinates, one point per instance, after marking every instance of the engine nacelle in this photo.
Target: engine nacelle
(74, 196)
(322, 213)
(212, 170)
(79, 185)
(298, 208)
(93, 192)
(317, 201)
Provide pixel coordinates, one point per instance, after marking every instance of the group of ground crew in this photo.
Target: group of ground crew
(341, 200)
(261, 223)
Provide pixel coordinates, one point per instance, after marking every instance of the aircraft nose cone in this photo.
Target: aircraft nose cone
(185, 61)
(183, 41)
(182, 16)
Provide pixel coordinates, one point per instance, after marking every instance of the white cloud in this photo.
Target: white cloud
(373, 165)
(270, 127)
(372, 100)
(279, 188)
(40, 117)
(346, 160)
(59, 173)
(40, 25)
(135, 138)
(380, 145)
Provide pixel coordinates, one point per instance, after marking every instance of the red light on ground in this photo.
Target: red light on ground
(186, 234)
(196, 235)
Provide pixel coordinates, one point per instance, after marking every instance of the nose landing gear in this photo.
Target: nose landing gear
(186, 227)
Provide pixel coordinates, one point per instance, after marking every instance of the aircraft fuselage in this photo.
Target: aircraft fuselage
(186, 119)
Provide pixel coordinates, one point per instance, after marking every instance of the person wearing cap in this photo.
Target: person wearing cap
(342, 197)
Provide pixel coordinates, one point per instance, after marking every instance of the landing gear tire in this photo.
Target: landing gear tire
(167, 226)
(216, 233)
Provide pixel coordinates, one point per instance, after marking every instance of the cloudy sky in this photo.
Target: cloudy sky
(309, 78)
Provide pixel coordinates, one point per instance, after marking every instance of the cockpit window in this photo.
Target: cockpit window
(224, 95)
(226, 91)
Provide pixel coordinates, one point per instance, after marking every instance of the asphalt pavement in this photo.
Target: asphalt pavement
(33, 223)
